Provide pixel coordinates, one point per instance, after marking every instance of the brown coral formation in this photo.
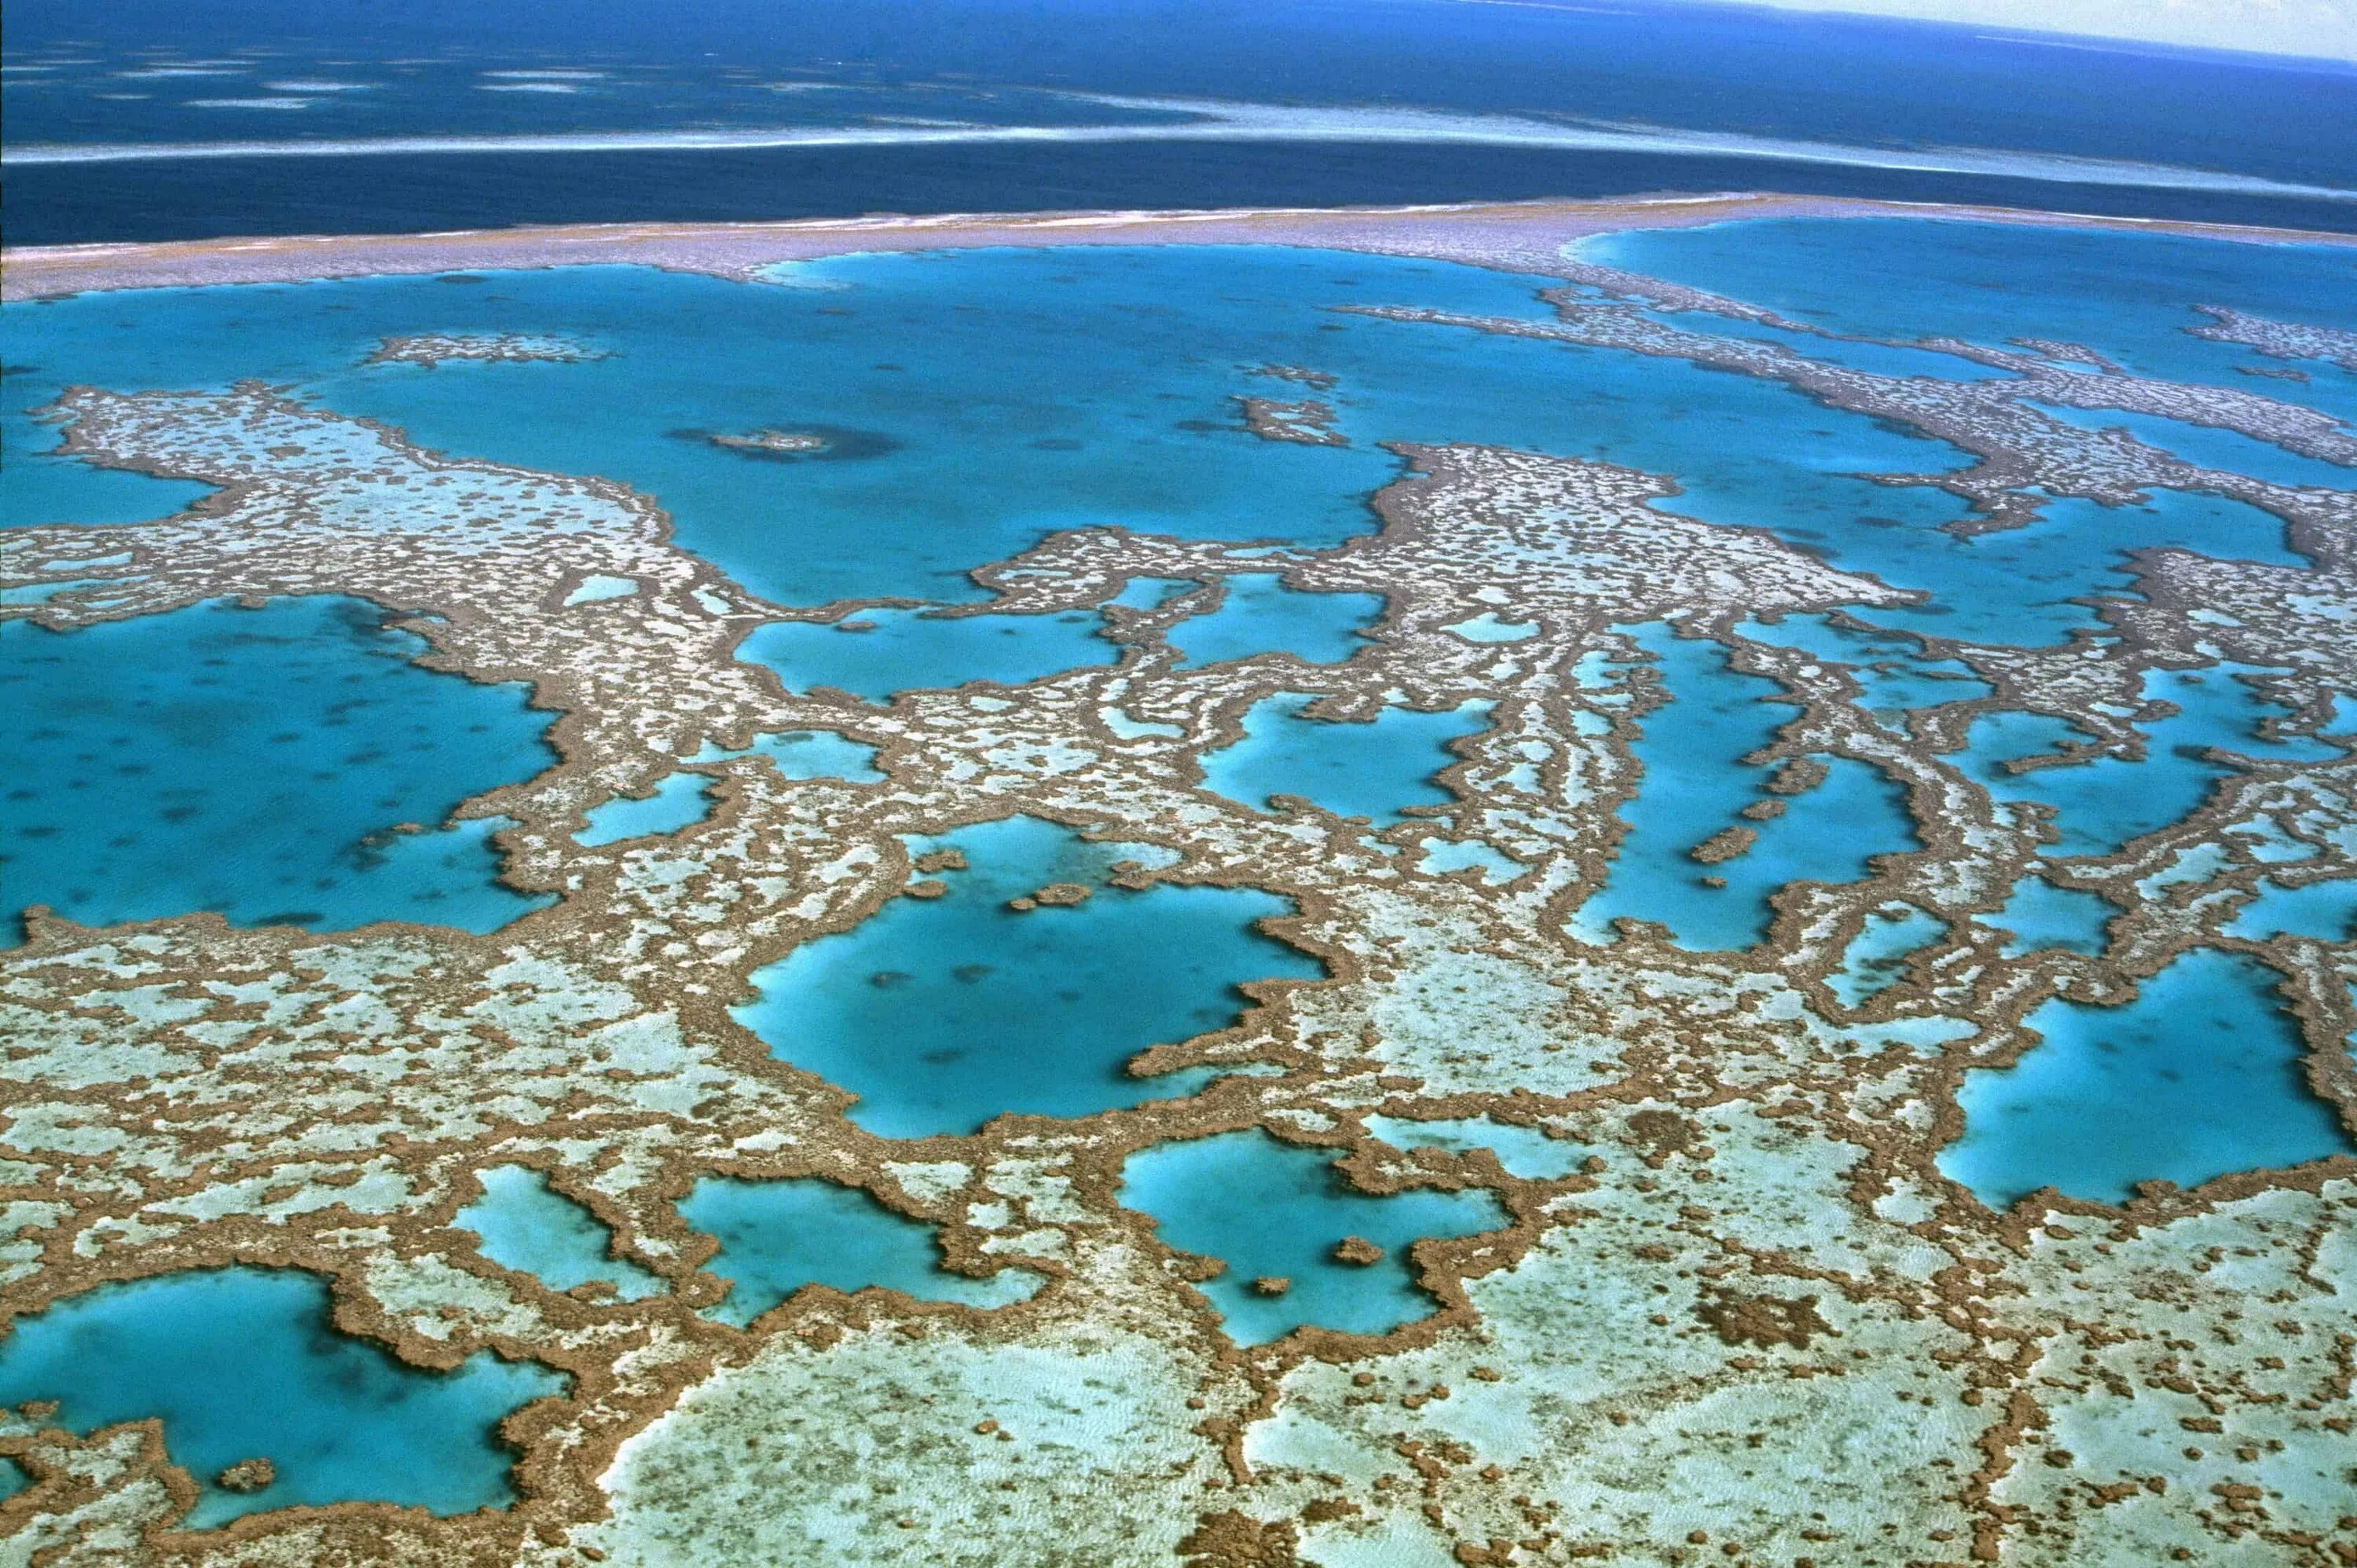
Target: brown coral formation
(1763, 1274)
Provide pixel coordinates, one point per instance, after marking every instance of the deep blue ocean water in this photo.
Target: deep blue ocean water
(1822, 104)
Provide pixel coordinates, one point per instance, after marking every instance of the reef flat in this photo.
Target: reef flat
(1662, 924)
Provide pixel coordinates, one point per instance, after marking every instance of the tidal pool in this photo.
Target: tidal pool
(1696, 786)
(522, 1224)
(1370, 769)
(941, 1012)
(1260, 615)
(679, 801)
(259, 763)
(1876, 959)
(778, 1236)
(2101, 804)
(805, 754)
(1272, 1211)
(2197, 1078)
(873, 653)
(2040, 915)
(243, 1363)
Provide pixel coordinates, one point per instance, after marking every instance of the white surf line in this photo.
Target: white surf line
(1194, 120)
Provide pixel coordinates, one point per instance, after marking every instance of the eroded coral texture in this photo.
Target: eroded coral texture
(1757, 1312)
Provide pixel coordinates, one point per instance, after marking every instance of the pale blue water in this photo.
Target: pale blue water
(1275, 1210)
(961, 430)
(1260, 615)
(243, 1363)
(1487, 626)
(2101, 804)
(908, 649)
(943, 1014)
(2206, 448)
(522, 1224)
(2197, 1077)
(2319, 911)
(805, 754)
(2131, 297)
(1893, 676)
(678, 801)
(2040, 915)
(1370, 769)
(1696, 782)
(251, 761)
(1876, 959)
(778, 1236)
(1525, 1152)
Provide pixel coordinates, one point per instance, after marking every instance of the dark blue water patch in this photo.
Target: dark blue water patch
(1271, 1211)
(2198, 1077)
(1696, 785)
(1373, 770)
(943, 1013)
(522, 1224)
(2101, 804)
(777, 1237)
(835, 444)
(258, 763)
(875, 653)
(1260, 615)
(244, 1363)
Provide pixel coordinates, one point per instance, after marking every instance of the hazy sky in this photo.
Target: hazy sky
(2323, 28)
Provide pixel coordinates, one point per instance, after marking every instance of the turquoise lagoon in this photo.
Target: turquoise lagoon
(1697, 783)
(1371, 769)
(1272, 1210)
(2197, 1077)
(254, 762)
(2131, 297)
(876, 652)
(778, 1236)
(522, 1224)
(243, 1363)
(678, 800)
(943, 1013)
(1260, 614)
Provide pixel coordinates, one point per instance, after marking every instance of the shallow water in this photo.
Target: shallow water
(2040, 915)
(2101, 804)
(1260, 615)
(805, 754)
(1275, 1210)
(522, 1224)
(1370, 769)
(2132, 297)
(2318, 911)
(2197, 1077)
(242, 1363)
(908, 649)
(1525, 1152)
(679, 801)
(1876, 959)
(778, 1236)
(941, 1013)
(253, 762)
(1697, 783)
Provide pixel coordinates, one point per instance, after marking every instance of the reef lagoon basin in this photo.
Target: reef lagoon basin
(1631, 881)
